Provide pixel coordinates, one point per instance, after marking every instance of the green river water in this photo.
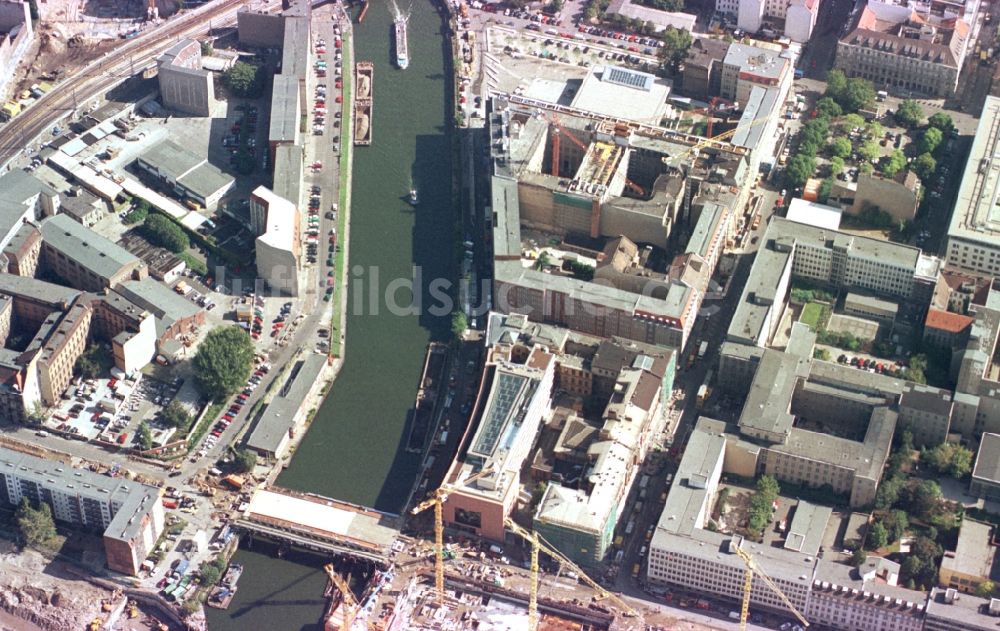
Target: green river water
(354, 449)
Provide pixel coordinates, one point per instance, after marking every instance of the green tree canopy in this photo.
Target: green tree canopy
(35, 525)
(926, 497)
(836, 165)
(828, 107)
(893, 164)
(144, 435)
(210, 574)
(223, 362)
(245, 460)
(930, 140)
(459, 323)
(163, 232)
(852, 121)
(836, 84)
(874, 130)
(243, 79)
(841, 147)
(175, 415)
(924, 166)
(949, 459)
(877, 537)
(676, 43)
(909, 113)
(896, 522)
(985, 589)
(799, 169)
(869, 151)
(941, 121)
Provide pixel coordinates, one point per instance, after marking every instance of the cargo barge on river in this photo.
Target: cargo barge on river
(222, 595)
(364, 76)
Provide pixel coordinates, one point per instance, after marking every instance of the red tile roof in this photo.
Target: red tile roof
(947, 321)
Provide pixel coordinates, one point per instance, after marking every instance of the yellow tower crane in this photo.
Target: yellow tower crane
(538, 543)
(350, 605)
(437, 500)
(753, 568)
(714, 141)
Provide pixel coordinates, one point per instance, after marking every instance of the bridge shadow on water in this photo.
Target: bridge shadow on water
(436, 233)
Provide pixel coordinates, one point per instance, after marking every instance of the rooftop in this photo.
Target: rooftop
(699, 469)
(55, 296)
(280, 229)
(988, 459)
(966, 610)
(975, 554)
(171, 159)
(284, 109)
(279, 415)
(88, 249)
(976, 217)
(624, 93)
(755, 61)
(766, 412)
(814, 214)
(805, 533)
(166, 306)
(134, 499)
(16, 189)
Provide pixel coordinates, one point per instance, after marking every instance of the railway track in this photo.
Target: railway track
(104, 73)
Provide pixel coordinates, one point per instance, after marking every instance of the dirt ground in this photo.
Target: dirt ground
(39, 595)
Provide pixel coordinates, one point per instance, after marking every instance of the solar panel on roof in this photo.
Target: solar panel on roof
(628, 78)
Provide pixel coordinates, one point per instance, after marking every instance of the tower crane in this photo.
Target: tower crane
(538, 543)
(437, 500)
(753, 568)
(350, 604)
(556, 143)
(713, 140)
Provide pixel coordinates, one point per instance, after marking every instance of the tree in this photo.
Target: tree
(893, 164)
(941, 121)
(95, 361)
(909, 113)
(836, 166)
(163, 232)
(896, 522)
(874, 130)
(949, 458)
(888, 492)
(858, 93)
(858, 557)
(915, 372)
(768, 487)
(35, 525)
(869, 151)
(138, 214)
(245, 460)
(930, 140)
(676, 43)
(210, 574)
(985, 589)
(877, 537)
(243, 79)
(828, 107)
(926, 497)
(206, 49)
(459, 323)
(924, 166)
(175, 415)
(841, 147)
(799, 169)
(852, 121)
(836, 84)
(144, 436)
(223, 362)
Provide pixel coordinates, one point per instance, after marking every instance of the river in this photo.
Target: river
(354, 449)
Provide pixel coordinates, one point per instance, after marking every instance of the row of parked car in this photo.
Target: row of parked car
(889, 368)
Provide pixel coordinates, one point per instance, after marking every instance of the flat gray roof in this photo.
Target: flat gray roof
(756, 61)
(767, 404)
(699, 467)
(975, 553)
(295, 47)
(206, 180)
(171, 159)
(871, 302)
(288, 173)
(759, 293)
(988, 459)
(134, 498)
(17, 186)
(805, 533)
(965, 611)
(279, 416)
(506, 210)
(704, 229)
(927, 399)
(89, 249)
(976, 217)
(285, 112)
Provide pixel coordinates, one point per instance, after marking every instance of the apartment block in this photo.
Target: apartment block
(129, 514)
(84, 259)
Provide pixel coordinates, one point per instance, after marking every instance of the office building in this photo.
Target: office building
(951, 610)
(173, 315)
(512, 399)
(129, 514)
(746, 66)
(974, 233)
(986, 473)
(973, 562)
